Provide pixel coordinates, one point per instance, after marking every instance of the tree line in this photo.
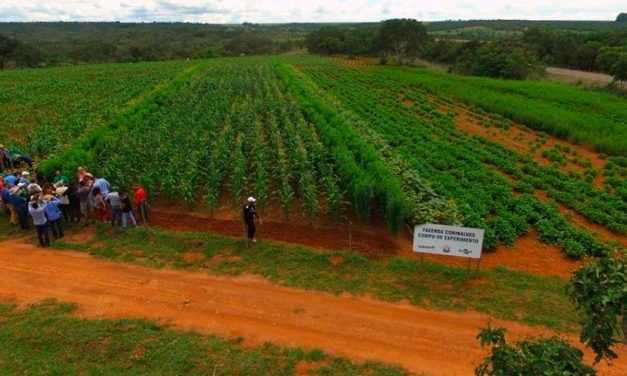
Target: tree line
(512, 56)
(60, 43)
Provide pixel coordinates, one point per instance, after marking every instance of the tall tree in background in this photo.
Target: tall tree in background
(622, 17)
(401, 36)
(7, 49)
(613, 60)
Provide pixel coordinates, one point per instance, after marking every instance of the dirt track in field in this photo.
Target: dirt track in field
(571, 75)
(375, 241)
(437, 343)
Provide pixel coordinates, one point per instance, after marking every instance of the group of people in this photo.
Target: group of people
(50, 204)
(86, 198)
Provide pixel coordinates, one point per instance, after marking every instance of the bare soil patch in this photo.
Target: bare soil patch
(251, 308)
(376, 241)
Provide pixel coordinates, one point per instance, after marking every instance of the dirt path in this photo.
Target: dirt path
(375, 242)
(436, 343)
(571, 75)
(527, 255)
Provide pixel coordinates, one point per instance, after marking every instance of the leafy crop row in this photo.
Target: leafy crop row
(584, 117)
(43, 110)
(456, 164)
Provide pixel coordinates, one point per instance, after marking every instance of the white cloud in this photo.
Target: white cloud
(227, 11)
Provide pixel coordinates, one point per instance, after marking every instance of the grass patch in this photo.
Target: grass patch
(504, 293)
(47, 339)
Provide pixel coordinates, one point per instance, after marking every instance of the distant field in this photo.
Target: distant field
(520, 25)
(594, 118)
(44, 109)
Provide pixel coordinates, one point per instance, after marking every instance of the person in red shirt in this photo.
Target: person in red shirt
(83, 175)
(140, 202)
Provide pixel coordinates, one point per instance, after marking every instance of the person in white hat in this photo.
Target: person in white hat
(248, 215)
(24, 178)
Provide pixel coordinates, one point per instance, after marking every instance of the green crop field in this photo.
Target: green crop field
(43, 110)
(331, 140)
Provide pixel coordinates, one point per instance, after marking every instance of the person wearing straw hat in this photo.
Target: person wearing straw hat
(248, 215)
(60, 191)
(53, 214)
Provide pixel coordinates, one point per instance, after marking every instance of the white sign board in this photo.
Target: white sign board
(448, 240)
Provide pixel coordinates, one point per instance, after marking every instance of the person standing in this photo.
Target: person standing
(59, 177)
(248, 215)
(6, 194)
(20, 204)
(141, 203)
(127, 210)
(55, 219)
(24, 178)
(100, 205)
(6, 157)
(34, 188)
(113, 198)
(82, 174)
(75, 203)
(103, 185)
(10, 179)
(83, 197)
(36, 209)
(15, 199)
(60, 191)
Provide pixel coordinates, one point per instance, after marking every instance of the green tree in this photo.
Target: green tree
(327, 40)
(613, 60)
(586, 55)
(508, 59)
(622, 17)
(544, 356)
(401, 36)
(8, 46)
(600, 290)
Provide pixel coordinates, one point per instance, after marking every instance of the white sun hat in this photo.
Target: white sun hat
(251, 199)
(25, 173)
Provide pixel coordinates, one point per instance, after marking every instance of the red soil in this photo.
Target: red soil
(375, 241)
(433, 343)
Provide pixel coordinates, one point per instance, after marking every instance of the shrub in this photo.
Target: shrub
(543, 356)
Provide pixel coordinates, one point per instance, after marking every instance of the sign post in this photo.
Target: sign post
(449, 241)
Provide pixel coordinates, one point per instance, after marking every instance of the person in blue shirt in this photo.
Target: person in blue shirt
(54, 215)
(6, 194)
(20, 205)
(104, 186)
(24, 178)
(11, 179)
(8, 206)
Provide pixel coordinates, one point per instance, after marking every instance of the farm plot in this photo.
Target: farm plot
(461, 167)
(596, 119)
(43, 110)
(233, 130)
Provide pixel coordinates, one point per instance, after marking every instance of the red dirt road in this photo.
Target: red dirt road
(436, 343)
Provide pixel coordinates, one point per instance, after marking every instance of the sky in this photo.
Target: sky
(278, 11)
